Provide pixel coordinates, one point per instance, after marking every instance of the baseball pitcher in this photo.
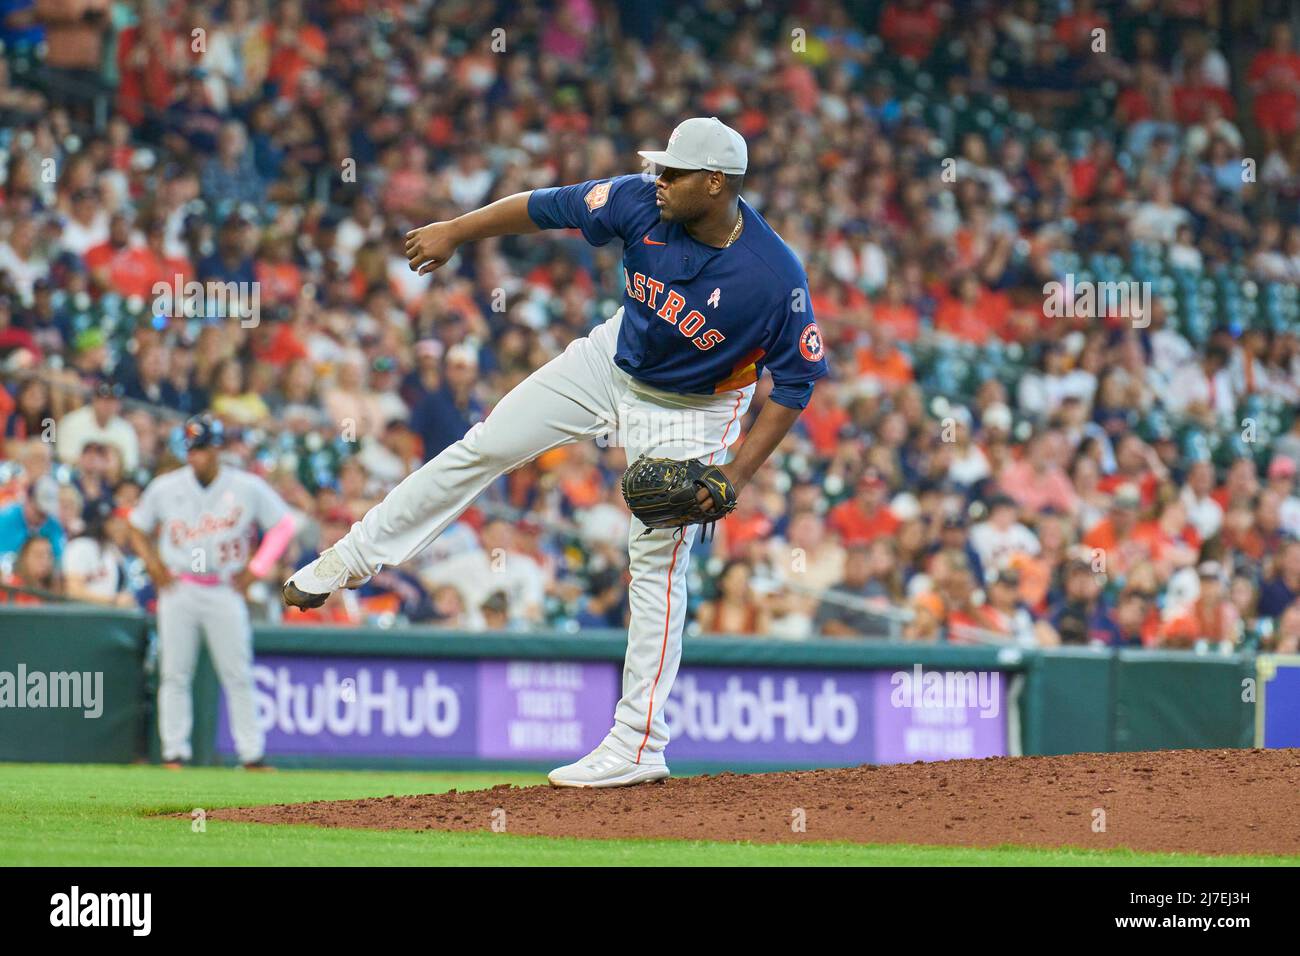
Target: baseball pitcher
(202, 517)
(711, 297)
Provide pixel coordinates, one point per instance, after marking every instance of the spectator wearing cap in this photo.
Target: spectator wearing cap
(50, 325)
(36, 515)
(1211, 617)
(91, 478)
(926, 625)
(443, 417)
(866, 516)
(1004, 616)
(1082, 616)
(100, 420)
(953, 537)
(1283, 589)
(190, 121)
(230, 261)
(1113, 534)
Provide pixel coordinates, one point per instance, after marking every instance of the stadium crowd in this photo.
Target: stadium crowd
(980, 467)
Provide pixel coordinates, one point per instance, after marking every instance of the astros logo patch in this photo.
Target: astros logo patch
(597, 196)
(810, 342)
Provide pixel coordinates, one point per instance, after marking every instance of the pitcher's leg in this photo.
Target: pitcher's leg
(230, 642)
(572, 397)
(657, 596)
(659, 563)
(178, 652)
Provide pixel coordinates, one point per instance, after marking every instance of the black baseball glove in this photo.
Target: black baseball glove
(663, 493)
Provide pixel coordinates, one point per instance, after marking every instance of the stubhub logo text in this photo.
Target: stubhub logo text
(365, 701)
(773, 710)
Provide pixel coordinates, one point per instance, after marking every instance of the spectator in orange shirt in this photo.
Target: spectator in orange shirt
(972, 313)
(748, 523)
(1212, 617)
(865, 516)
(1113, 534)
(884, 363)
(1170, 539)
(823, 420)
(893, 316)
(296, 46)
(278, 274)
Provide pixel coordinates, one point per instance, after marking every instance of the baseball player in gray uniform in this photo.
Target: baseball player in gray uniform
(202, 519)
(712, 297)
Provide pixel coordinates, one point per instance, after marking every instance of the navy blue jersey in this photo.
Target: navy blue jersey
(697, 319)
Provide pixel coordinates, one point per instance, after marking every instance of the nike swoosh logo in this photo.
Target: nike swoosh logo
(650, 242)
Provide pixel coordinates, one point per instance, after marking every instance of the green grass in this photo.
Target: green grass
(59, 815)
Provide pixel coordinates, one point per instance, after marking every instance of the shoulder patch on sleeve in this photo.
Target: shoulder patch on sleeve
(810, 342)
(597, 196)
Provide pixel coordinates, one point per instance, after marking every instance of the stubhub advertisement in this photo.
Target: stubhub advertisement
(553, 711)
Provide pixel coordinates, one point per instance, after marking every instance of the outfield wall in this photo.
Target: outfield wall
(378, 698)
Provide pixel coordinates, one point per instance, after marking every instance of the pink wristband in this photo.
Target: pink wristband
(273, 544)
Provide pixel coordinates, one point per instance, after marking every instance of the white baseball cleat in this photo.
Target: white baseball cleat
(605, 768)
(311, 586)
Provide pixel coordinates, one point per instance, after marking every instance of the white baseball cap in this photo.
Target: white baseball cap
(702, 142)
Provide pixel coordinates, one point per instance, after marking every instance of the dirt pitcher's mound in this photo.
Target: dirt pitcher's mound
(1195, 801)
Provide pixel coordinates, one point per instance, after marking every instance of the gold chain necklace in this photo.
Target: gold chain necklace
(735, 233)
